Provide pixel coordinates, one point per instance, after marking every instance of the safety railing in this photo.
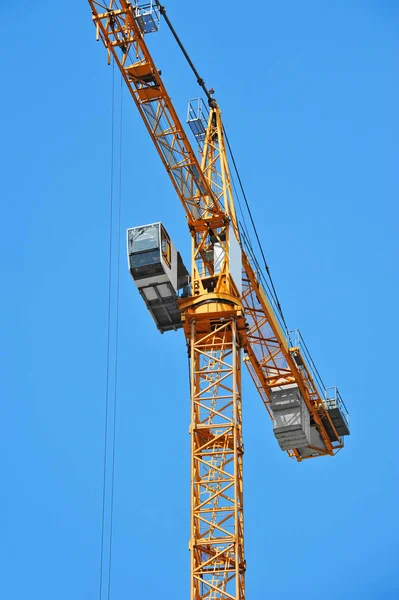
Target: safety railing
(147, 16)
(296, 341)
(332, 399)
(197, 119)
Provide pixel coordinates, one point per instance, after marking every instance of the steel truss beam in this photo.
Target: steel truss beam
(217, 525)
(119, 30)
(271, 360)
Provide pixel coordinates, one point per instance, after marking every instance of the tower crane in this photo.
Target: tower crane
(223, 306)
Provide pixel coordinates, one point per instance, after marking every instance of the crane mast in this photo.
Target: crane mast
(215, 328)
(227, 313)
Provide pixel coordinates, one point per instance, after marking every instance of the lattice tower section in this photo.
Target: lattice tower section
(217, 525)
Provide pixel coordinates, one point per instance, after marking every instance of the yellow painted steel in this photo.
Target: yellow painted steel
(217, 521)
(219, 322)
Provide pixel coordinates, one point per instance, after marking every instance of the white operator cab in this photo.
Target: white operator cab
(158, 272)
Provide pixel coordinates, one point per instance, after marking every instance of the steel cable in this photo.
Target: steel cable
(116, 340)
(255, 230)
(108, 334)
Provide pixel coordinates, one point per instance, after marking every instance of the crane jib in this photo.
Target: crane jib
(124, 41)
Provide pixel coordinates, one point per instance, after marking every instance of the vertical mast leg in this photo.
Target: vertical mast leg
(217, 528)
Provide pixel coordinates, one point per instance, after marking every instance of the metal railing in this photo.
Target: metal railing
(332, 399)
(197, 119)
(330, 396)
(148, 16)
(296, 340)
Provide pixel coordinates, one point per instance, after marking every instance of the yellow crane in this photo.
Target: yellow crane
(223, 308)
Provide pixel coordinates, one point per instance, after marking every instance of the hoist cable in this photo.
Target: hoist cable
(116, 339)
(200, 81)
(108, 335)
(243, 224)
(255, 230)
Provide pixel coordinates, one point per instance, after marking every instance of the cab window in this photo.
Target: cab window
(165, 247)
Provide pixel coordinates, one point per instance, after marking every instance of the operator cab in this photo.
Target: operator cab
(158, 272)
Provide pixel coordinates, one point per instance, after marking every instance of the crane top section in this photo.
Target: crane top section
(306, 421)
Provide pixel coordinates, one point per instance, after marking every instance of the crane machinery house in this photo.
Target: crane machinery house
(158, 272)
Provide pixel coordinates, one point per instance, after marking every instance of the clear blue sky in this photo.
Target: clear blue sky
(309, 92)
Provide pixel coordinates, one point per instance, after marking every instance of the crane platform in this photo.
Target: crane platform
(338, 413)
